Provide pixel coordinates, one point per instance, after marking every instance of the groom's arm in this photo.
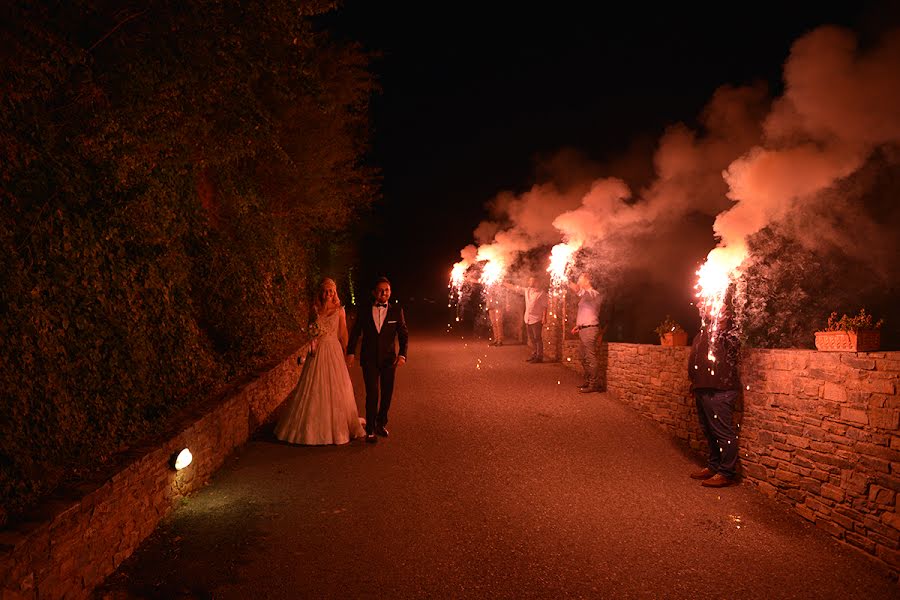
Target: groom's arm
(354, 337)
(402, 335)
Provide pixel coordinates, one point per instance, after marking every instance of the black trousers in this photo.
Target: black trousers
(715, 409)
(378, 380)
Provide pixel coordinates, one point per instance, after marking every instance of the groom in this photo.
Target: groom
(379, 324)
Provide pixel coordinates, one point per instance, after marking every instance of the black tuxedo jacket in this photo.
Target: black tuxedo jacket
(378, 349)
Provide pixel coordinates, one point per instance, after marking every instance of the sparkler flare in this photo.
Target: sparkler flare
(457, 279)
(492, 272)
(713, 278)
(560, 262)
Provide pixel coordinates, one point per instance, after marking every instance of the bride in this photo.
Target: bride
(322, 410)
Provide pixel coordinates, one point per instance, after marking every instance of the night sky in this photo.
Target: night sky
(473, 99)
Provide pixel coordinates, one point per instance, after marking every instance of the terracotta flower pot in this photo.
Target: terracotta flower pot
(863, 340)
(673, 338)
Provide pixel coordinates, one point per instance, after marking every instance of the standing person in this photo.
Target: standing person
(379, 327)
(323, 408)
(715, 382)
(589, 330)
(494, 302)
(536, 299)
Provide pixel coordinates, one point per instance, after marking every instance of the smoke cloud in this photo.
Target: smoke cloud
(808, 164)
(840, 105)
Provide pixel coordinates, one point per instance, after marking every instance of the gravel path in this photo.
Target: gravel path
(499, 480)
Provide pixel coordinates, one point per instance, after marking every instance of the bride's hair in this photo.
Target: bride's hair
(319, 302)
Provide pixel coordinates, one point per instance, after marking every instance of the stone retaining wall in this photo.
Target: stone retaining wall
(76, 540)
(818, 430)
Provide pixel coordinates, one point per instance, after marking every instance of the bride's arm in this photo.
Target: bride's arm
(342, 330)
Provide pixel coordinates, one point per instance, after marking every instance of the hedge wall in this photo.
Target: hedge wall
(168, 172)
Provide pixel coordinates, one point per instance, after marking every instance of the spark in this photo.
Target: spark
(561, 262)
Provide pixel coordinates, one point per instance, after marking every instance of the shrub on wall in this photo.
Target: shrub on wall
(165, 173)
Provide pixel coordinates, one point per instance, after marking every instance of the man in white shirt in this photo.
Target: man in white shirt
(588, 329)
(536, 300)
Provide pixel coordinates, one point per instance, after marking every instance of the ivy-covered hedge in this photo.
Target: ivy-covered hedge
(168, 175)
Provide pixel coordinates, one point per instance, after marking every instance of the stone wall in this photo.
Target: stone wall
(818, 430)
(74, 541)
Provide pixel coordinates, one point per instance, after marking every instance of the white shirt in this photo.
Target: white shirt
(588, 307)
(378, 315)
(536, 301)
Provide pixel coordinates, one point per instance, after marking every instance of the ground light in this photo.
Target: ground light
(181, 459)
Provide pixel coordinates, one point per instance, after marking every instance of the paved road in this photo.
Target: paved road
(499, 480)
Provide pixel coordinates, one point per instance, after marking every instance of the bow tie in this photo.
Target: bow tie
(380, 305)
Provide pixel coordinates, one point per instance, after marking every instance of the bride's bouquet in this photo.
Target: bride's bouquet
(313, 331)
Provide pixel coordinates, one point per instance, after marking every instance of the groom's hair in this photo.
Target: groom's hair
(381, 280)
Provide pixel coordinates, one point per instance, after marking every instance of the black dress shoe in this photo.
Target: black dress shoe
(537, 360)
(584, 386)
(370, 438)
(530, 359)
(381, 431)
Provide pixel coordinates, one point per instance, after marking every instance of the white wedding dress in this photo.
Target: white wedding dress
(322, 410)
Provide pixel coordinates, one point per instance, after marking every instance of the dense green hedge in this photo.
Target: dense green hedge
(169, 174)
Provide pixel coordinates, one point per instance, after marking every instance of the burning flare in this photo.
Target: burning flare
(560, 261)
(713, 278)
(457, 279)
(492, 270)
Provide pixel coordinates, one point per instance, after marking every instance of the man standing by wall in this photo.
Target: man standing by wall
(589, 330)
(536, 299)
(715, 381)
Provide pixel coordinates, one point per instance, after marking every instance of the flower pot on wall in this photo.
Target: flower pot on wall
(863, 340)
(674, 338)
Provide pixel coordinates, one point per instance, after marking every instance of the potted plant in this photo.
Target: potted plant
(671, 333)
(850, 334)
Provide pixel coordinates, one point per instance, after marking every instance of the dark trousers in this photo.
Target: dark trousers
(375, 378)
(715, 409)
(534, 335)
(588, 350)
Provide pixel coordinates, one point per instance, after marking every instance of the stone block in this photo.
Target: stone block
(881, 495)
(798, 441)
(779, 382)
(824, 458)
(805, 513)
(887, 364)
(755, 471)
(795, 495)
(891, 482)
(860, 542)
(834, 392)
(811, 486)
(885, 418)
(820, 475)
(855, 362)
(891, 519)
(854, 415)
(855, 482)
(830, 527)
(875, 525)
(877, 386)
(781, 455)
(832, 492)
(842, 520)
(786, 476)
(770, 462)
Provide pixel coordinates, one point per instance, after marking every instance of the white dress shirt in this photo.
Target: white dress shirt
(378, 315)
